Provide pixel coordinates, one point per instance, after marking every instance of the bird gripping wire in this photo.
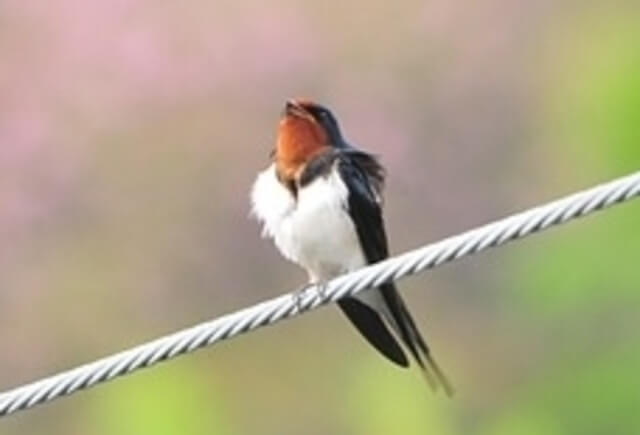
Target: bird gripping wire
(289, 305)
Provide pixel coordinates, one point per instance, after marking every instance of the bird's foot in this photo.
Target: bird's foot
(299, 294)
(321, 290)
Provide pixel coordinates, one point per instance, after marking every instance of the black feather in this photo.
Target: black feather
(368, 322)
(364, 178)
(319, 166)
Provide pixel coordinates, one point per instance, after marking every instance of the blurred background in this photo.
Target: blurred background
(131, 132)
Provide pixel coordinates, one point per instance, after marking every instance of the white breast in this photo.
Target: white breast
(314, 230)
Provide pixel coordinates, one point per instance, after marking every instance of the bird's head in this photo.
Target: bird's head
(305, 130)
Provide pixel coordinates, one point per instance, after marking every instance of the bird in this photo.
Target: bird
(320, 200)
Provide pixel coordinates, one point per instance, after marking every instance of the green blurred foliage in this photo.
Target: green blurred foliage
(381, 402)
(594, 94)
(144, 229)
(596, 81)
(581, 283)
(165, 401)
(600, 397)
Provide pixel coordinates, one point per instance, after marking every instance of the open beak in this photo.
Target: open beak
(294, 108)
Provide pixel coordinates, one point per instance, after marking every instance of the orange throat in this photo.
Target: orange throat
(299, 140)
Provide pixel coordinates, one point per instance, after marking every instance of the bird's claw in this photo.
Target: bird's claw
(299, 294)
(321, 290)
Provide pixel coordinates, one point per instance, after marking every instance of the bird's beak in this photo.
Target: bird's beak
(294, 108)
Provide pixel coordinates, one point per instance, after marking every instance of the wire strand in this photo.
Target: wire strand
(290, 305)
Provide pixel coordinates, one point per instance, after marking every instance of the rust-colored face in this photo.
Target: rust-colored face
(300, 137)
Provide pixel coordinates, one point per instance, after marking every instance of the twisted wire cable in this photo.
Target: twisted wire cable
(289, 305)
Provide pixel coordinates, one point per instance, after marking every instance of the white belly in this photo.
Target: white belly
(314, 230)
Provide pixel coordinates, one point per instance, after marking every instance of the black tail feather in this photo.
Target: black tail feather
(412, 338)
(369, 323)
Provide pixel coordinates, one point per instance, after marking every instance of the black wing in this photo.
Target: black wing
(364, 178)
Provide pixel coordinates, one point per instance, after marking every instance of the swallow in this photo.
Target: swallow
(320, 200)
